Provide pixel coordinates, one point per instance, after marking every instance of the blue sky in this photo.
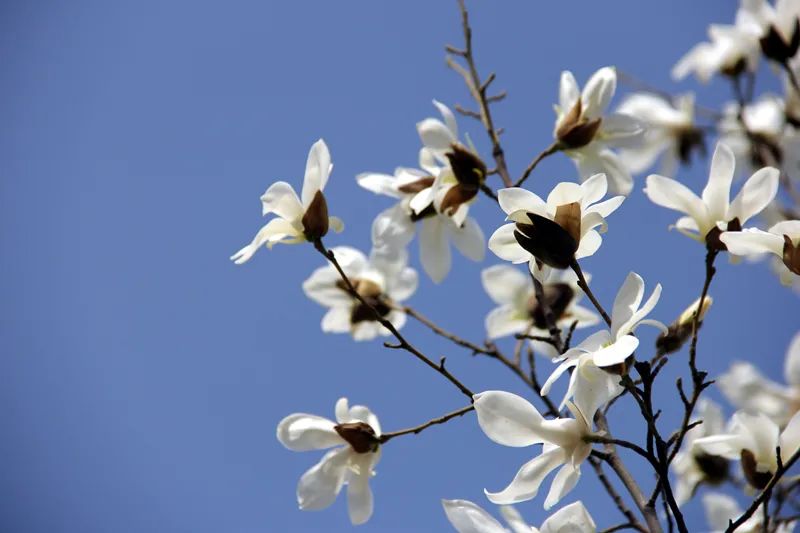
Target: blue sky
(142, 374)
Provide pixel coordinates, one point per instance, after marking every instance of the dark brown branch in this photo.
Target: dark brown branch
(576, 267)
(386, 437)
(422, 319)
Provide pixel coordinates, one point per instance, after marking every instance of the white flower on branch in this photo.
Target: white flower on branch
(518, 309)
(693, 466)
(511, 420)
(721, 509)
(601, 357)
(468, 517)
(553, 233)
(297, 220)
(356, 432)
(782, 240)
(670, 133)
(585, 132)
(746, 388)
(382, 280)
(714, 213)
(754, 439)
(778, 27)
(394, 228)
(765, 140)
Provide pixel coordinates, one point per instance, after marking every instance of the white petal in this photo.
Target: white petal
(449, 118)
(342, 410)
(716, 194)
(322, 287)
(434, 250)
(514, 520)
(639, 315)
(598, 92)
(593, 189)
(318, 168)
(362, 413)
(720, 510)
(378, 183)
(301, 432)
(617, 352)
(526, 483)
(337, 320)
(627, 301)
(467, 517)
(572, 518)
(619, 130)
(594, 388)
(752, 241)
(565, 481)
(790, 438)
(359, 494)
(505, 320)
(320, 485)
(505, 245)
(404, 285)
(563, 193)
(435, 135)
(589, 244)
(336, 224)
(728, 446)
(504, 283)
(392, 228)
(281, 199)
(568, 92)
(508, 419)
(591, 160)
(674, 195)
(516, 199)
(791, 368)
(420, 201)
(469, 240)
(275, 231)
(755, 195)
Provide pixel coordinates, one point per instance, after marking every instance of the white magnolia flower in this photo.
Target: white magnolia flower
(518, 309)
(721, 509)
(754, 439)
(746, 388)
(585, 132)
(468, 517)
(394, 228)
(714, 212)
(383, 280)
(462, 173)
(766, 121)
(296, 220)
(556, 232)
(692, 466)
(510, 420)
(778, 26)
(590, 385)
(782, 240)
(356, 432)
(670, 132)
(731, 50)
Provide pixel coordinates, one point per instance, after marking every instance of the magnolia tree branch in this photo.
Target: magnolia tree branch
(584, 286)
(633, 522)
(550, 150)
(402, 342)
(386, 437)
(422, 319)
(478, 88)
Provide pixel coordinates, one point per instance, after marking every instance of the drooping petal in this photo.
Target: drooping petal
(274, 231)
(359, 494)
(467, 517)
(752, 241)
(404, 285)
(598, 91)
(469, 239)
(318, 168)
(319, 486)
(594, 388)
(565, 480)
(281, 199)
(572, 518)
(505, 245)
(755, 195)
(508, 419)
(716, 194)
(504, 283)
(746, 388)
(674, 195)
(525, 484)
(434, 250)
(301, 432)
(591, 160)
(617, 352)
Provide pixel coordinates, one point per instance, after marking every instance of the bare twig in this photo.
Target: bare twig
(474, 348)
(417, 429)
(550, 150)
(632, 523)
(576, 267)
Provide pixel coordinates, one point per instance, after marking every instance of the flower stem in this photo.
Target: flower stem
(386, 437)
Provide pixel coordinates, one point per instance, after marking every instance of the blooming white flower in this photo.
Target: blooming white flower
(383, 280)
(394, 228)
(714, 212)
(584, 131)
(556, 232)
(356, 432)
(692, 466)
(590, 386)
(778, 26)
(746, 388)
(754, 439)
(468, 517)
(511, 420)
(670, 132)
(766, 123)
(782, 240)
(721, 509)
(296, 221)
(518, 309)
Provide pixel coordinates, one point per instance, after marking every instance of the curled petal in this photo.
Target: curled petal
(301, 432)
(565, 480)
(318, 168)
(526, 483)
(508, 419)
(281, 199)
(319, 486)
(617, 352)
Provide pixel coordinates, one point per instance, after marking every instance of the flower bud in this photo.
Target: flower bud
(359, 435)
(679, 331)
(315, 219)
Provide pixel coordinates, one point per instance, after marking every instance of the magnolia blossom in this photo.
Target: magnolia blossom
(714, 212)
(754, 439)
(459, 179)
(296, 221)
(518, 309)
(585, 132)
(746, 388)
(691, 465)
(356, 432)
(394, 228)
(553, 233)
(598, 357)
(764, 141)
(681, 330)
(511, 420)
(778, 25)
(670, 132)
(468, 517)
(782, 240)
(382, 280)
(721, 509)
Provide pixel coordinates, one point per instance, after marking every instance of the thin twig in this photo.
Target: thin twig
(417, 429)
(550, 150)
(576, 267)
(633, 523)
(422, 319)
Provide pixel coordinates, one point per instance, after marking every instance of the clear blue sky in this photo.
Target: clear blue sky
(142, 374)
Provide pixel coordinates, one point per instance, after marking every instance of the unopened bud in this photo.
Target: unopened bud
(315, 219)
(359, 435)
(756, 479)
(679, 331)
